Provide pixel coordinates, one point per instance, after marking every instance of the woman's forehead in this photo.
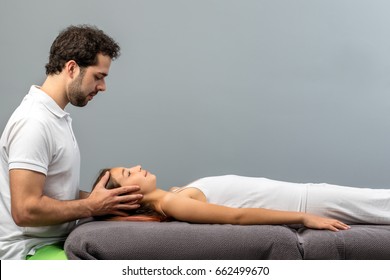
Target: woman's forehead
(117, 171)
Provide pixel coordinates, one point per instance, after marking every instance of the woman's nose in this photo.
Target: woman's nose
(137, 168)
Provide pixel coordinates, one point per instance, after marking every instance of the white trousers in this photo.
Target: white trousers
(348, 204)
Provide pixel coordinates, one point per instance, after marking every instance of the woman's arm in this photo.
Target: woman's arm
(191, 210)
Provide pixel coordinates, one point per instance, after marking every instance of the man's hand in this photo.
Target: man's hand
(115, 201)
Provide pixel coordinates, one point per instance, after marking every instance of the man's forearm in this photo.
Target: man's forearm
(84, 194)
(48, 211)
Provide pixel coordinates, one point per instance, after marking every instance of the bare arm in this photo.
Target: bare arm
(190, 210)
(30, 207)
(84, 194)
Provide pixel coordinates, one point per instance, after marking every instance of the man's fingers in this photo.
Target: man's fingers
(125, 189)
(130, 198)
(103, 181)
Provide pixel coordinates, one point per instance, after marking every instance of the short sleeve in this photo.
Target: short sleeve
(29, 146)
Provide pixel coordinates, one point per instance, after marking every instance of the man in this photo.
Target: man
(40, 198)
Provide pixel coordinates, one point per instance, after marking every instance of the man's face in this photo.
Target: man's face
(89, 82)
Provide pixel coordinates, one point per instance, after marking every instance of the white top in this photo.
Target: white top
(348, 204)
(38, 137)
(245, 192)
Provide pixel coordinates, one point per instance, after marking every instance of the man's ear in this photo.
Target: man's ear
(72, 68)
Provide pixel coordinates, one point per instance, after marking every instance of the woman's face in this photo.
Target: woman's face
(134, 176)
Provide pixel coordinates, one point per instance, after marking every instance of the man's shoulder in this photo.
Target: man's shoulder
(30, 114)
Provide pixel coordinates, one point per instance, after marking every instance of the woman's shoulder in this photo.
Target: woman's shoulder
(189, 192)
(175, 189)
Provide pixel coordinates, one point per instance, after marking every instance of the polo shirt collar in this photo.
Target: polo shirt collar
(47, 101)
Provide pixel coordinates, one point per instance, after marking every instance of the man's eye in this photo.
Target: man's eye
(129, 173)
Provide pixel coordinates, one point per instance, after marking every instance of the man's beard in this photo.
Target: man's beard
(75, 93)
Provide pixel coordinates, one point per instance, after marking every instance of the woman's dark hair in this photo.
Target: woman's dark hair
(81, 43)
(145, 212)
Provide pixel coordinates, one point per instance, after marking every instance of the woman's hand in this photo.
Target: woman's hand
(317, 222)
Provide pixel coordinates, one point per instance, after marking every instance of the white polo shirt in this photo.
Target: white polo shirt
(38, 137)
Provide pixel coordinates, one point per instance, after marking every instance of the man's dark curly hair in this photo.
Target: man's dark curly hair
(81, 43)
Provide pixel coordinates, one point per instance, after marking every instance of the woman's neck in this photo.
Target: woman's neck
(154, 196)
(154, 199)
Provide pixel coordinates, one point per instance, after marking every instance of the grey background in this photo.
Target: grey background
(290, 90)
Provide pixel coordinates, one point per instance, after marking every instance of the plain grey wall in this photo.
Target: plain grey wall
(291, 90)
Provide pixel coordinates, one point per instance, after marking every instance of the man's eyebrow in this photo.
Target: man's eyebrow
(123, 172)
(102, 73)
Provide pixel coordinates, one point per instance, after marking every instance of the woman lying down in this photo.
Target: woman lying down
(242, 200)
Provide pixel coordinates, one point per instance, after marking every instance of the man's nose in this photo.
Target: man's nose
(101, 86)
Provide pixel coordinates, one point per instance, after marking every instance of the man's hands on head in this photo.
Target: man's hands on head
(114, 201)
(30, 207)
